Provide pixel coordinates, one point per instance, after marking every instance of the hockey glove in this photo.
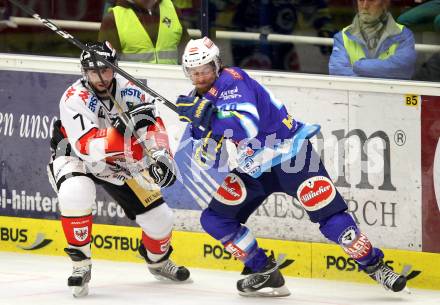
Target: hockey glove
(195, 110)
(59, 143)
(141, 115)
(208, 149)
(163, 169)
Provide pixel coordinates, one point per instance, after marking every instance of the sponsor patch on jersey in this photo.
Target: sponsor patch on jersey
(232, 191)
(81, 234)
(316, 193)
(230, 94)
(69, 93)
(131, 92)
(233, 73)
(92, 103)
(213, 91)
(235, 251)
(84, 95)
(359, 247)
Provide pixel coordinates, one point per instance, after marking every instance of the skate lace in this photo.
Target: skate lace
(170, 268)
(80, 271)
(386, 277)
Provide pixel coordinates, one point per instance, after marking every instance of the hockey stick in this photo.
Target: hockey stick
(83, 47)
(124, 117)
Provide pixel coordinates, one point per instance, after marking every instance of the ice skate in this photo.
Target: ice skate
(81, 275)
(267, 283)
(385, 276)
(165, 269)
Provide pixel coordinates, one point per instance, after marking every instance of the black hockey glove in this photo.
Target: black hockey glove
(141, 115)
(59, 143)
(163, 170)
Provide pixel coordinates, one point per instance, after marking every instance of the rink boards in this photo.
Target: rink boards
(193, 249)
(379, 141)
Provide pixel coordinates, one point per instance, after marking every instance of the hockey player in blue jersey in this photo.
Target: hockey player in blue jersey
(273, 155)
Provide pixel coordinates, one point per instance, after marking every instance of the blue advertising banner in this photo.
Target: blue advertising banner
(29, 106)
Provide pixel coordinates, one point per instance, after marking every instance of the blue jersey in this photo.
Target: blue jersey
(248, 108)
(250, 114)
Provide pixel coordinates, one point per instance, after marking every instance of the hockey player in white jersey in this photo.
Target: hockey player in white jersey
(92, 145)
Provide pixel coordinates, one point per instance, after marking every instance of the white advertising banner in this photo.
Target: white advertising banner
(370, 143)
(371, 148)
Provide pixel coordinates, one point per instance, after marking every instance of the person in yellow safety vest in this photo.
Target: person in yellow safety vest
(374, 45)
(145, 30)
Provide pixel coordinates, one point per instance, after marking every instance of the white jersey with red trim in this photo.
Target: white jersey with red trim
(87, 121)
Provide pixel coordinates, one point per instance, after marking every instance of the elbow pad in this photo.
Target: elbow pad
(107, 144)
(158, 134)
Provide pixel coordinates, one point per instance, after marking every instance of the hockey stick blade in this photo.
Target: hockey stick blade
(159, 98)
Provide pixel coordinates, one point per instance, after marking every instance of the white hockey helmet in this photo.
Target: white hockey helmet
(199, 52)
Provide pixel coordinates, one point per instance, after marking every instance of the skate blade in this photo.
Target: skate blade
(80, 291)
(267, 292)
(168, 280)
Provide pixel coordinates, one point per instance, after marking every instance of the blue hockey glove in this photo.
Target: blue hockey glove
(195, 110)
(208, 149)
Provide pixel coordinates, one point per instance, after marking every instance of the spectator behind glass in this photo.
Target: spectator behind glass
(428, 12)
(277, 17)
(145, 30)
(374, 45)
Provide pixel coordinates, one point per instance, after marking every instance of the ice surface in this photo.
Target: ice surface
(35, 279)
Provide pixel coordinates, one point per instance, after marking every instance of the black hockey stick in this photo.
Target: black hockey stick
(83, 47)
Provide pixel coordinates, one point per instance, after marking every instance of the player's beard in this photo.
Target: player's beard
(104, 92)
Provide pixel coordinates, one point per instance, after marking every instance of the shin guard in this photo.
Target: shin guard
(156, 248)
(78, 230)
(341, 229)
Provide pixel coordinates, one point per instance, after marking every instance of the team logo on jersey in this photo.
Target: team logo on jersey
(81, 234)
(232, 191)
(249, 151)
(348, 236)
(316, 192)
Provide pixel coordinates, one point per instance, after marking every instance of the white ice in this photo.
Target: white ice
(35, 279)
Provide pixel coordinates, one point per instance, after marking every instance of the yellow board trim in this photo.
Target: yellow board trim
(193, 249)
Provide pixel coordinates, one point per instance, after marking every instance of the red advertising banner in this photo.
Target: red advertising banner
(430, 135)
